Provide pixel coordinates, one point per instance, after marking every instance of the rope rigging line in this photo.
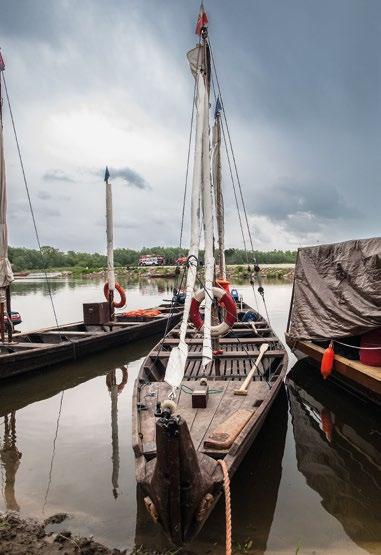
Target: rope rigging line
(30, 203)
(189, 150)
(256, 268)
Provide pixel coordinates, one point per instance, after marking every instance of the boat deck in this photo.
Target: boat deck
(235, 413)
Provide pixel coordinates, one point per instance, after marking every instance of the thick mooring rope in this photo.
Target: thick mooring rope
(228, 510)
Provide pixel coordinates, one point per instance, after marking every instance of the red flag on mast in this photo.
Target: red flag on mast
(2, 64)
(202, 20)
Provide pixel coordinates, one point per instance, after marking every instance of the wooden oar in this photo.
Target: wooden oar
(244, 387)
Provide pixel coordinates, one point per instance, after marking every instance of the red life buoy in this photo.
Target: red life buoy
(121, 292)
(327, 361)
(229, 304)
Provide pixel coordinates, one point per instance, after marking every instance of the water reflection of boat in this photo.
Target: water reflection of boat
(255, 485)
(17, 394)
(10, 460)
(338, 450)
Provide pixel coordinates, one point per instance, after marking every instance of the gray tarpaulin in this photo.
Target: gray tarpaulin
(337, 290)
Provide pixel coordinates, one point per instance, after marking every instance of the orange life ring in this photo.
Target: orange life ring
(111, 379)
(223, 297)
(121, 292)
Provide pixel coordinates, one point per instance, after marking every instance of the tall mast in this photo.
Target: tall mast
(110, 245)
(217, 182)
(6, 274)
(207, 208)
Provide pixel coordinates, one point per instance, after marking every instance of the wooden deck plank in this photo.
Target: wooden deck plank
(230, 354)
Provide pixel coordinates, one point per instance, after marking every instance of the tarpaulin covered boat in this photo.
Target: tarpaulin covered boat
(336, 307)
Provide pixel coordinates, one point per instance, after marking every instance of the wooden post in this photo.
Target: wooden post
(2, 328)
(9, 311)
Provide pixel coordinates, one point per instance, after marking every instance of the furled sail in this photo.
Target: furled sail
(6, 274)
(207, 209)
(110, 235)
(176, 363)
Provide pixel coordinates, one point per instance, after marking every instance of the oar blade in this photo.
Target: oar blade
(176, 365)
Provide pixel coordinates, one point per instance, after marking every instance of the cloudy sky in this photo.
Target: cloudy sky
(95, 83)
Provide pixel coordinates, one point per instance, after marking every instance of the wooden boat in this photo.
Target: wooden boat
(338, 452)
(203, 393)
(101, 328)
(181, 478)
(256, 484)
(337, 300)
(32, 351)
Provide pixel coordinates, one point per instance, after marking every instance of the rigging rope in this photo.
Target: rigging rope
(228, 510)
(189, 150)
(256, 268)
(30, 203)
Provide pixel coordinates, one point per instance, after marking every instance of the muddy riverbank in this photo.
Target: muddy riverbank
(30, 537)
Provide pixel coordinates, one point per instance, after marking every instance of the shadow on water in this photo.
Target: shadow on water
(254, 492)
(27, 389)
(338, 446)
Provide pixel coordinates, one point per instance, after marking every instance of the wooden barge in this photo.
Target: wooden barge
(32, 351)
(177, 456)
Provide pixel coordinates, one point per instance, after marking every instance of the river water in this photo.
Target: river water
(311, 483)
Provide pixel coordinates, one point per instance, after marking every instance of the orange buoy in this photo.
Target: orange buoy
(327, 361)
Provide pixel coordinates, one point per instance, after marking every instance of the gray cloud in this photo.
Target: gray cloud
(57, 175)
(129, 176)
(43, 195)
(302, 206)
(301, 87)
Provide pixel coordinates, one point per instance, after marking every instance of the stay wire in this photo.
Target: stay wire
(238, 182)
(189, 151)
(30, 202)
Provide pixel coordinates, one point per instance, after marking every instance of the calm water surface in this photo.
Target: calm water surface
(311, 483)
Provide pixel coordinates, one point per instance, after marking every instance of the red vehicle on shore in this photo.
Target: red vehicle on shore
(181, 261)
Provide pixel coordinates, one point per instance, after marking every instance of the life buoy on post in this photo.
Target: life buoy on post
(121, 292)
(229, 304)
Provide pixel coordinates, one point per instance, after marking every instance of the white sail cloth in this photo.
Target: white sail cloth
(6, 274)
(177, 360)
(207, 209)
(110, 238)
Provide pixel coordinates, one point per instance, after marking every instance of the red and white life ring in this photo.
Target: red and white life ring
(229, 304)
(121, 292)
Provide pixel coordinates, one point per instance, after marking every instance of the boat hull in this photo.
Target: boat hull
(32, 357)
(358, 379)
(193, 446)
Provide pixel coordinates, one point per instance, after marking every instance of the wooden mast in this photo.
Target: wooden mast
(110, 246)
(219, 201)
(5, 304)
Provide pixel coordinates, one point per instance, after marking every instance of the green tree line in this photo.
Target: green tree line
(23, 259)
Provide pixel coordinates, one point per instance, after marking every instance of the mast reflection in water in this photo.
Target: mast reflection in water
(115, 389)
(338, 451)
(10, 461)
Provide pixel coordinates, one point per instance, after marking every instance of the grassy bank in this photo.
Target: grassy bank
(234, 271)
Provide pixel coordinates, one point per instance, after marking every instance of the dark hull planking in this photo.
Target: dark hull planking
(360, 380)
(183, 509)
(45, 348)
